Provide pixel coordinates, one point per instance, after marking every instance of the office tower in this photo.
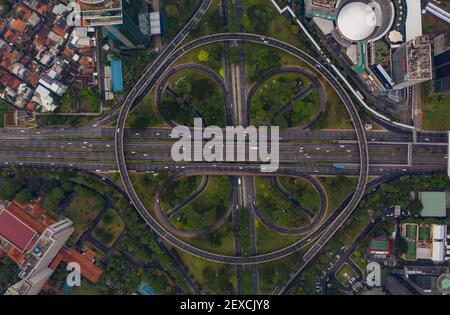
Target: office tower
(411, 63)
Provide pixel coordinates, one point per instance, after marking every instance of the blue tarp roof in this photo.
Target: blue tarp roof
(117, 77)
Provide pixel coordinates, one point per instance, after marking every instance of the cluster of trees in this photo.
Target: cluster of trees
(178, 13)
(261, 60)
(258, 18)
(212, 57)
(85, 99)
(178, 191)
(211, 23)
(9, 274)
(53, 120)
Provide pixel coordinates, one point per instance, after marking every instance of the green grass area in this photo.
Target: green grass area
(109, 228)
(273, 103)
(213, 59)
(436, 109)
(81, 100)
(424, 233)
(213, 278)
(276, 272)
(194, 94)
(176, 192)
(220, 241)
(336, 115)
(359, 258)
(145, 115)
(345, 273)
(411, 240)
(275, 207)
(82, 211)
(145, 186)
(338, 188)
(306, 194)
(269, 241)
(207, 208)
(411, 231)
(53, 120)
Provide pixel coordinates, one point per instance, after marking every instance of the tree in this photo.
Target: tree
(234, 55)
(24, 196)
(415, 207)
(10, 189)
(203, 56)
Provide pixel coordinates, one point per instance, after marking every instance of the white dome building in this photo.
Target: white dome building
(363, 20)
(356, 21)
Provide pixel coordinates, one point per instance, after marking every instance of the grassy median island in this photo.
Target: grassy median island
(145, 115)
(275, 207)
(305, 193)
(193, 94)
(213, 58)
(177, 192)
(109, 228)
(345, 273)
(269, 241)
(220, 241)
(207, 208)
(338, 188)
(275, 102)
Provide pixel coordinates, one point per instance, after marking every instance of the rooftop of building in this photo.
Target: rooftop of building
(16, 231)
(419, 58)
(434, 203)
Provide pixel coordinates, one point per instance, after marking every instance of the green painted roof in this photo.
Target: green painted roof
(446, 283)
(434, 203)
(379, 245)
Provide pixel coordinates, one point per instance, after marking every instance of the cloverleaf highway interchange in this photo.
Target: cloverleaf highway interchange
(93, 93)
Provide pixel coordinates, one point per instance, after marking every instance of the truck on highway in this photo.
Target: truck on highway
(340, 167)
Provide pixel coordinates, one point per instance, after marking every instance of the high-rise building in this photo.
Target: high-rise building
(128, 34)
(32, 285)
(98, 13)
(441, 63)
(118, 18)
(46, 248)
(411, 63)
